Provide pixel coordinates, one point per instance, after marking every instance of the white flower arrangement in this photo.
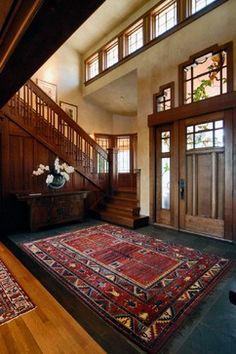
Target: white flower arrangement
(58, 169)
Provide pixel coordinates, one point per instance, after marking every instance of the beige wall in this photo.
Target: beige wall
(63, 69)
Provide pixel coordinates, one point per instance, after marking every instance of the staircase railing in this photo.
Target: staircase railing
(50, 124)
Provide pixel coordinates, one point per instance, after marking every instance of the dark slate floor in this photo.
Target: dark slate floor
(210, 329)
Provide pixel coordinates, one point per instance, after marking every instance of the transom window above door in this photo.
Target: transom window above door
(207, 74)
(205, 135)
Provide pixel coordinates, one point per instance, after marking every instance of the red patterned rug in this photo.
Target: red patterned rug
(139, 284)
(13, 299)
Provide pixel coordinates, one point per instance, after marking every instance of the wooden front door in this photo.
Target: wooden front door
(194, 175)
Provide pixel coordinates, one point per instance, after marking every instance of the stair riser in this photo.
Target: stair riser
(131, 204)
(131, 212)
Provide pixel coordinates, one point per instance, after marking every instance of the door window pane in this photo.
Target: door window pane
(165, 183)
(205, 135)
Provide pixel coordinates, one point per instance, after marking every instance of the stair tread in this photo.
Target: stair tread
(123, 199)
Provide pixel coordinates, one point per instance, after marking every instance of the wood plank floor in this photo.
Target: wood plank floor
(47, 329)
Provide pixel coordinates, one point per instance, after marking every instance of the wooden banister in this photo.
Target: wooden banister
(47, 122)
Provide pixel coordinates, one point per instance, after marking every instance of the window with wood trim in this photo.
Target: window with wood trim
(165, 169)
(205, 135)
(103, 141)
(123, 156)
(111, 54)
(169, 14)
(134, 38)
(164, 17)
(127, 149)
(197, 5)
(164, 99)
(92, 67)
(207, 75)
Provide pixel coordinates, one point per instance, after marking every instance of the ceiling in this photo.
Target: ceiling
(109, 15)
(30, 32)
(120, 96)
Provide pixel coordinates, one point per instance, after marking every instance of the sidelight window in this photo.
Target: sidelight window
(165, 170)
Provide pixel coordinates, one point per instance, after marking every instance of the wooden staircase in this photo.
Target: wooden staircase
(35, 112)
(122, 208)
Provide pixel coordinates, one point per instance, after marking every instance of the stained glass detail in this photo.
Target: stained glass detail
(205, 135)
(165, 183)
(205, 77)
(163, 101)
(165, 141)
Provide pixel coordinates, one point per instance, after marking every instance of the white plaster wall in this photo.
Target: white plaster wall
(124, 124)
(63, 69)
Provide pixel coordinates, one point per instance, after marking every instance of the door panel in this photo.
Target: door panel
(200, 175)
(203, 164)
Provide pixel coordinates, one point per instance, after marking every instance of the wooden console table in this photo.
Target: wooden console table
(53, 208)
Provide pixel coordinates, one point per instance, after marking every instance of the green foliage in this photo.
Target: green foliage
(200, 92)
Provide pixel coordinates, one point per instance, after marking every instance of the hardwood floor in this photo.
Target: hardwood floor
(47, 329)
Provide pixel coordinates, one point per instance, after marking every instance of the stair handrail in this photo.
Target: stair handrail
(42, 114)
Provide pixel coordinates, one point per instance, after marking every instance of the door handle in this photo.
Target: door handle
(182, 186)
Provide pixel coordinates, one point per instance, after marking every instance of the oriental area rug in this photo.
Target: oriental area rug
(13, 300)
(142, 286)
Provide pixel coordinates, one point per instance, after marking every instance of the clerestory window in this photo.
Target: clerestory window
(134, 38)
(197, 5)
(164, 18)
(111, 54)
(92, 66)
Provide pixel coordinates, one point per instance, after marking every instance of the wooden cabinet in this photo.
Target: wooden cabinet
(53, 208)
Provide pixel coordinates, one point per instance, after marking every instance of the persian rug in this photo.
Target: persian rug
(13, 300)
(142, 286)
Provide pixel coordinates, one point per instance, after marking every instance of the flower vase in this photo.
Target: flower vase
(58, 181)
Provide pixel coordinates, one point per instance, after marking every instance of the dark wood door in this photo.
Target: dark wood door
(194, 175)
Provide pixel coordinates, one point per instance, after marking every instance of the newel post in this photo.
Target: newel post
(137, 172)
(113, 169)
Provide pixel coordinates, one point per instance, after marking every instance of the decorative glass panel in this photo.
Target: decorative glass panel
(219, 138)
(163, 101)
(205, 135)
(206, 77)
(190, 142)
(165, 183)
(165, 141)
(204, 139)
(204, 126)
(219, 124)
